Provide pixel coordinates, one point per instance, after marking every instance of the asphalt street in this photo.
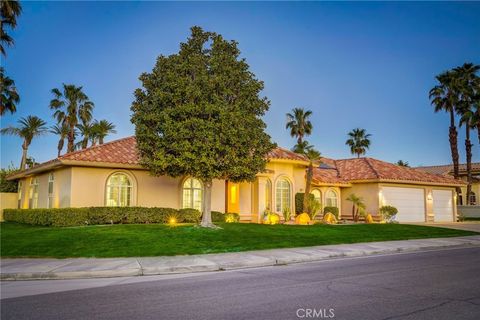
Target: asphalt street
(443, 284)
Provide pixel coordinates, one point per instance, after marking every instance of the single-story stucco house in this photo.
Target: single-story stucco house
(110, 175)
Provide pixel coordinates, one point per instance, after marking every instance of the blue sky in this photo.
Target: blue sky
(366, 65)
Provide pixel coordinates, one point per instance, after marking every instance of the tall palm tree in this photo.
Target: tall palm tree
(467, 85)
(299, 124)
(29, 128)
(358, 142)
(9, 96)
(313, 157)
(71, 105)
(62, 131)
(301, 147)
(9, 11)
(101, 129)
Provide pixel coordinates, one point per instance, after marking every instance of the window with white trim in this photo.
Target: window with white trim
(473, 198)
(118, 190)
(33, 194)
(317, 195)
(283, 195)
(331, 199)
(51, 199)
(192, 194)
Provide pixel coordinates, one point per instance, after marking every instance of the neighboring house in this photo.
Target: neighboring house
(110, 175)
(447, 170)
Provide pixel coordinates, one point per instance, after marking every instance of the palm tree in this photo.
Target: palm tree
(467, 85)
(357, 205)
(101, 129)
(71, 105)
(302, 147)
(9, 11)
(402, 163)
(29, 128)
(9, 95)
(62, 131)
(299, 124)
(359, 141)
(313, 156)
(87, 132)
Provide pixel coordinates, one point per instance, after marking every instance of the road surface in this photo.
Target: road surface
(442, 284)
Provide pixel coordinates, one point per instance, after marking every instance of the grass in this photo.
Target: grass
(19, 240)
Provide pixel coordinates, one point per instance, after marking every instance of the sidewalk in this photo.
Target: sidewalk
(29, 269)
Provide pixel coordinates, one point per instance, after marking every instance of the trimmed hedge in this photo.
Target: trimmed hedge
(333, 210)
(299, 202)
(67, 217)
(222, 217)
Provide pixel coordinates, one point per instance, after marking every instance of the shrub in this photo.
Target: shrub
(6, 185)
(190, 215)
(223, 217)
(299, 202)
(287, 214)
(64, 217)
(232, 217)
(218, 216)
(332, 210)
(388, 213)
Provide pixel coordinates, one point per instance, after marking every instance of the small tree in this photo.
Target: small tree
(199, 114)
(7, 185)
(358, 206)
(388, 213)
(312, 156)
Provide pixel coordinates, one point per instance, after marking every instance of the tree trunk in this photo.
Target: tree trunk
(207, 201)
(468, 149)
(478, 132)
(454, 150)
(353, 212)
(71, 139)
(60, 147)
(308, 186)
(23, 162)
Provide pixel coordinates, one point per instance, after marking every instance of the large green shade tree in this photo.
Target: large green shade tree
(199, 114)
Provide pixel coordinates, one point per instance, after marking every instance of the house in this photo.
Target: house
(447, 170)
(110, 175)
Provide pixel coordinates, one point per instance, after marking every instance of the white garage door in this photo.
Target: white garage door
(442, 205)
(410, 203)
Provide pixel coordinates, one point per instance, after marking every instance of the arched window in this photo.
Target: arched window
(317, 195)
(268, 195)
(118, 190)
(283, 195)
(192, 194)
(473, 198)
(331, 199)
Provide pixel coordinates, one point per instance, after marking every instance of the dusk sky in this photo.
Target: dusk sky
(367, 65)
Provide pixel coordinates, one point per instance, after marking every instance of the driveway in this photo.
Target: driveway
(468, 226)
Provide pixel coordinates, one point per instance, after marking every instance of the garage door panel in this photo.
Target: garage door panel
(410, 203)
(443, 205)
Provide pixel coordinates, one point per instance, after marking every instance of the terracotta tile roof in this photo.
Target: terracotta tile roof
(285, 154)
(123, 151)
(373, 169)
(448, 169)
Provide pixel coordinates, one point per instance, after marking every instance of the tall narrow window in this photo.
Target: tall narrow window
(192, 194)
(331, 199)
(51, 199)
(118, 190)
(283, 195)
(268, 195)
(473, 198)
(317, 195)
(33, 194)
(20, 194)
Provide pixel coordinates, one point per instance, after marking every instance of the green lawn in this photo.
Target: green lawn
(160, 240)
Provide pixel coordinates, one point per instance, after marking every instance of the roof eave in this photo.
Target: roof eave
(40, 168)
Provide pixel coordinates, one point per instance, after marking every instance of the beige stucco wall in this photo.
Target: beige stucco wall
(367, 191)
(88, 189)
(8, 200)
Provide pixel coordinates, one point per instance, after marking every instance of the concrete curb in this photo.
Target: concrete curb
(43, 269)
